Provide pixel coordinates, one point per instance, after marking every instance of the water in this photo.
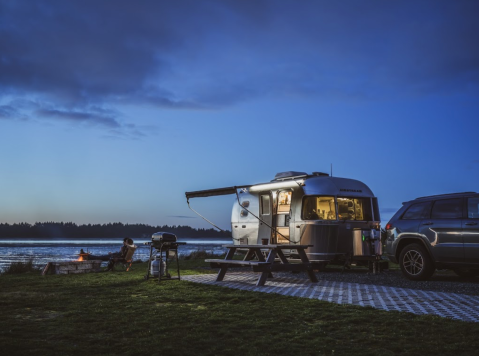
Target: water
(58, 250)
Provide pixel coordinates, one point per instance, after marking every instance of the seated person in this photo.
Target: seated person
(121, 253)
(115, 258)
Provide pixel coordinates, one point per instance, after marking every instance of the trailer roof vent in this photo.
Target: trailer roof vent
(289, 175)
(320, 174)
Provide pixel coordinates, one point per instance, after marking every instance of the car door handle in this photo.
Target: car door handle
(471, 223)
(428, 223)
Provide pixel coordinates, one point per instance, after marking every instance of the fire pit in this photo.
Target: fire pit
(82, 265)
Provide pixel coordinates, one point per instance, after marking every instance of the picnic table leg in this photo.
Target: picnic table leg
(249, 255)
(266, 274)
(221, 273)
(262, 278)
(282, 257)
(261, 258)
(258, 253)
(224, 268)
(305, 260)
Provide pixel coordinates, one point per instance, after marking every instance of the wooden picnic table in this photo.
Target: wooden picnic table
(275, 260)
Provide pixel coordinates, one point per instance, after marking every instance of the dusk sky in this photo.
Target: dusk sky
(111, 110)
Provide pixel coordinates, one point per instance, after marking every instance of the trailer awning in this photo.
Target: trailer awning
(214, 192)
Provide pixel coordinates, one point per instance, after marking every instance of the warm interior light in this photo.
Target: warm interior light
(276, 185)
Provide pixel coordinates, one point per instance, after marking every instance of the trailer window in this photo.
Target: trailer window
(265, 204)
(318, 208)
(355, 209)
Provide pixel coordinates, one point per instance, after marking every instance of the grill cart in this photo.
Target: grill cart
(163, 247)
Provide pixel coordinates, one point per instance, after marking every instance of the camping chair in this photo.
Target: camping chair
(126, 261)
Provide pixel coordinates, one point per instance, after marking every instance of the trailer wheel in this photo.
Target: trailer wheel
(415, 263)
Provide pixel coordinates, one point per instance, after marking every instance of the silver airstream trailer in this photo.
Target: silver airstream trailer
(339, 217)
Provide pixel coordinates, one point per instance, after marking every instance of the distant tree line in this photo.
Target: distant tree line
(72, 230)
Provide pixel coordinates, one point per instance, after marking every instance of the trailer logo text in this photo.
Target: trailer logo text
(351, 190)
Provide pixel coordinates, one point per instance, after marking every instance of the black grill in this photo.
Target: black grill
(163, 246)
(162, 238)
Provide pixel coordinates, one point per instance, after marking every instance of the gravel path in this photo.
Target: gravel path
(363, 289)
(441, 281)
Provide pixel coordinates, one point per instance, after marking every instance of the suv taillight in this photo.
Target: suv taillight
(389, 226)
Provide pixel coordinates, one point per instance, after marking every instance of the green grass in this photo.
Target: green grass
(120, 313)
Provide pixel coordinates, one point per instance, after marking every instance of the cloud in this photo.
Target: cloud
(10, 112)
(79, 117)
(213, 54)
(91, 116)
(131, 131)
(98, 117)
(7, 112)
(69, 51)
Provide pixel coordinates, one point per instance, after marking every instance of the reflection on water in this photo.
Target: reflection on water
(58, 250)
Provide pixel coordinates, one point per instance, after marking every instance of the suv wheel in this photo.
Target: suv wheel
(415, 263)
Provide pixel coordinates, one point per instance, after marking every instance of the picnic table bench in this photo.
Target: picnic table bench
(275, 260)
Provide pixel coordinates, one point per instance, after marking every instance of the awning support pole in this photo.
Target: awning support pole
(201, 216)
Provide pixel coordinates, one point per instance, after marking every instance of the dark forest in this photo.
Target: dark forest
(72, 230)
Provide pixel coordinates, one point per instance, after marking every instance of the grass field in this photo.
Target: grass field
(120, 313)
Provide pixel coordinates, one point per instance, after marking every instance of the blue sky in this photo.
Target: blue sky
(110, 111)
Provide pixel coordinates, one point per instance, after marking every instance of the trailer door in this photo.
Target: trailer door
(283, 217)
(265, 214)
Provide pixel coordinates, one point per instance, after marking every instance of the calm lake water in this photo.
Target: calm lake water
(58, 250)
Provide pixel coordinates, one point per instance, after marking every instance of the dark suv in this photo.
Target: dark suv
(436, 232)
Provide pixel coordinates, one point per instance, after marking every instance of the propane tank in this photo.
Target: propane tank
(158, 267)
(155, 266)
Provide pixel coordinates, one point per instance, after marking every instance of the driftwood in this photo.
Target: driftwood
(46, 269)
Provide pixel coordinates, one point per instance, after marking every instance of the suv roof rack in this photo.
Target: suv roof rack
(444, 195)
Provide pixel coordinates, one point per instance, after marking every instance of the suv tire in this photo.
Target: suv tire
(415, 263)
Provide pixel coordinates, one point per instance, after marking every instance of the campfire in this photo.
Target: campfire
(83, 255)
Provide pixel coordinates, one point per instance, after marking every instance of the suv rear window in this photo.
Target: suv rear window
(447, 209)
(417, 211)
(473, 208)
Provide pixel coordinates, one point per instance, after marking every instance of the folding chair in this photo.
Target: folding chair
(126, 261)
